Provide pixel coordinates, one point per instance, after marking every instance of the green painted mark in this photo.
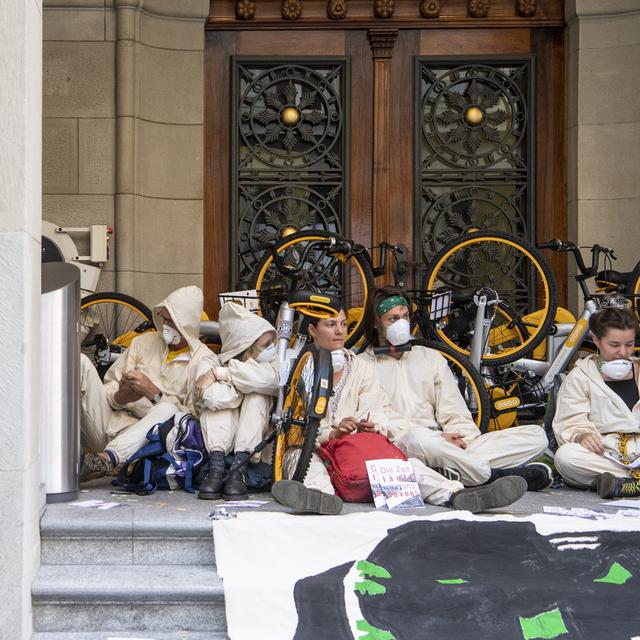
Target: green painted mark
(617, 575)
(370, 569)
(370, 588)
(545, 625)
(452, 581)
(373, 633)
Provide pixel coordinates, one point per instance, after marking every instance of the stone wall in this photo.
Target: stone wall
(123, 134)
(20, 198)
(603, 120)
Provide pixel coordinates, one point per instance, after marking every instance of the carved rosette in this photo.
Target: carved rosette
(383, 8)
(430, 8)
(337, 9)
(291, 9)
(478, 8)
(245, 9)
(526, 8)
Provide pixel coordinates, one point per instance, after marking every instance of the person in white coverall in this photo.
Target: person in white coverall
(151, 381)
(235, 400)
(432, 421)
(597, 419)
(358, 404)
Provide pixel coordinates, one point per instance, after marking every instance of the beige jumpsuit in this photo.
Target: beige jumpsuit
(586, 404)
(234, 411)
(362, 395)
(426, 403)
(122, 429)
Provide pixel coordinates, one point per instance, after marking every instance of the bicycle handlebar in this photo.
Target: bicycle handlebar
(565, 246)
(391, 349)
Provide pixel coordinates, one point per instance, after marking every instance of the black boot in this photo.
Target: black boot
(235, 488)
(211, 487)
(537, 474)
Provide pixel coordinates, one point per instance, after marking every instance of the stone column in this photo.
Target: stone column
(20, 228)
(159, 145)
(123, 140)
(603, 120)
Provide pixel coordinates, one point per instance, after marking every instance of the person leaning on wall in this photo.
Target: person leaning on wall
(148, 383)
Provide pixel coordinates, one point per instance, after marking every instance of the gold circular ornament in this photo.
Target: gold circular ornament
(290, 116)
(474, 115)
(287, 231)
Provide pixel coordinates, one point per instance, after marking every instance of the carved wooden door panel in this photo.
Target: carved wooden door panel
(382, 132)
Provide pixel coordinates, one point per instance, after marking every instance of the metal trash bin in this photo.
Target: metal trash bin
(60, 381)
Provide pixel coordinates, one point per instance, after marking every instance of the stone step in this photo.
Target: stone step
(124, 536)
(133, 598)
(129, 635)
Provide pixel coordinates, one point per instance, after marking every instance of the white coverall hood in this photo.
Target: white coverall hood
(185, 307)
(239, 329)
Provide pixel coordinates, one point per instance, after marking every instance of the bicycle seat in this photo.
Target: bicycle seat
(613, 277)
(314, 304)
(461, 296)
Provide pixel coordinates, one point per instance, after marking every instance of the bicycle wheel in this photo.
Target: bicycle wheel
(348, 276)
(635, 290)
(513, 268)
(108, 323)
(469, 381)
(306, 398)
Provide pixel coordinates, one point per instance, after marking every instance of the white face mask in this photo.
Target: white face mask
(267, 354)
(170, 335)
(337, 360)
(399, 332)
(616, 369)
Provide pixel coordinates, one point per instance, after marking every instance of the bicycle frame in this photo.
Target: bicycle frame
(558, 359)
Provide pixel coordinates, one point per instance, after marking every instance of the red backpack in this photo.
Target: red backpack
(346, 459)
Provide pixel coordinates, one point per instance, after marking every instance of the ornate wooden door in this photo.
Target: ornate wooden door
(387, 123)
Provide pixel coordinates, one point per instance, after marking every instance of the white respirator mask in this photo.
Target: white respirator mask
(337, 360)
(170, 336)
(616, 369)
(399, 332)
(267, 354)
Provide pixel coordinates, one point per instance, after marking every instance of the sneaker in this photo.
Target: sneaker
(94, 466)
(499, 493)
(538, 475)
(610, 486)
(449, 473)
(296, 496)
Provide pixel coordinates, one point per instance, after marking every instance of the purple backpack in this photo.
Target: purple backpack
(171, 458)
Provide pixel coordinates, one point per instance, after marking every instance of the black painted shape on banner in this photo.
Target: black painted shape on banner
(319, 602)
(511, 572)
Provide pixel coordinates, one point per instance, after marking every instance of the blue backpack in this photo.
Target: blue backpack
(153, 466)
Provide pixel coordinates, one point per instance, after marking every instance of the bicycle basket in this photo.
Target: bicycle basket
(248, 298)
(438, 303)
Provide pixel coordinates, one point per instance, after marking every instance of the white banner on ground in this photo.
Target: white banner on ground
(263, 557)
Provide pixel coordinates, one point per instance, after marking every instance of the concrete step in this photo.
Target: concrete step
(128, 635)
(126, 536)
(116, 598)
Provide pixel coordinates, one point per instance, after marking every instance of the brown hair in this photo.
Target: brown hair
(612, 318)
(370, 315)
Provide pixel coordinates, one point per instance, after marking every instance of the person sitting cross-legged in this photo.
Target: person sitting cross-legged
(597, 419)
(433, 423)
(359, 404)
(147, 384)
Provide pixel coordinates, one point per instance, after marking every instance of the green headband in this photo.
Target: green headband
(389, 303)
